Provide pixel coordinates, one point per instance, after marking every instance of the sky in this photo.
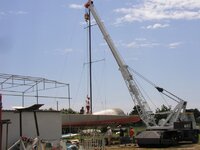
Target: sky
(48, 38)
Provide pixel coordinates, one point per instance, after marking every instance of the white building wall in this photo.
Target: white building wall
(49, 123)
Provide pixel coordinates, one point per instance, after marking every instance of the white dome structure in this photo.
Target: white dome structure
(113, 111)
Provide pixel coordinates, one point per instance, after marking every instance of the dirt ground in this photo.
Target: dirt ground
(135, 147)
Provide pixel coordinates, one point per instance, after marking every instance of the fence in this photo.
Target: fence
(94, 142)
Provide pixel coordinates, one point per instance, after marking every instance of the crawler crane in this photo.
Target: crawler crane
(178, 126)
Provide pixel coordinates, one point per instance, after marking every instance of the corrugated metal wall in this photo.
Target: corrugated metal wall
(50, 126)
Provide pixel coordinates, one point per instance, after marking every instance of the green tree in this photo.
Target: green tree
(68, 111)
(196, 113)
(161, 110)
(50, 109)
(134, 111)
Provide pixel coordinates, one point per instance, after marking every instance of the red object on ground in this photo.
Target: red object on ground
(131, 132)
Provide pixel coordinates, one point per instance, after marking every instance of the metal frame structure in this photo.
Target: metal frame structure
(27, 86)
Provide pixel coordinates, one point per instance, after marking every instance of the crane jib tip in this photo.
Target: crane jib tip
(88, 3)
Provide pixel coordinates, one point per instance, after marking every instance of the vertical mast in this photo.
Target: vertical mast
(90, 61)
(89, 97)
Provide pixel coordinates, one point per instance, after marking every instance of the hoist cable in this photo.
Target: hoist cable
(138, 84)
(141, 76)
(155, 86)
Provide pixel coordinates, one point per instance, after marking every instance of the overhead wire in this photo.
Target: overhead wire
(86, 58)
(144, 78)
(152, 84)
(165, 100)
(69, 40)
(79, 83)
(98, 82)
(137, 82)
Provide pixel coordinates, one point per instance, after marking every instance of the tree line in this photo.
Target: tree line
(165, 108)
(134, 111)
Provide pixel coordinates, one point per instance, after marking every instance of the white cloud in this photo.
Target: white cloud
(20, 12)
(2, 13)
(103, 44)
(174, 45)
(159, 10)
(67, 50)
(141, 43)
(131, 45)
(140, 39)
(132, 59)
(76, 6)
(144, 43)
(63, 51)
(93, 22)
(157, 25)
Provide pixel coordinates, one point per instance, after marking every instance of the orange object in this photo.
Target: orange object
(88, 3)
(131, 132)
(87, 17)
